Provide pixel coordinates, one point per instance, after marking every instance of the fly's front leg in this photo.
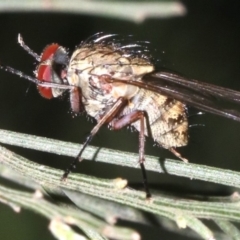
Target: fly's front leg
(75, 100)
(105, 119)
(126, 120)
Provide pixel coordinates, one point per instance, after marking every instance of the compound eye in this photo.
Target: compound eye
(44, 73)
(45, 70)
(49, 52)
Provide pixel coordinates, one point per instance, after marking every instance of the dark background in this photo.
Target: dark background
(205, 45)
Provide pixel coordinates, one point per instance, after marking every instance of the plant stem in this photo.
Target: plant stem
(136, 11)
(154, 164)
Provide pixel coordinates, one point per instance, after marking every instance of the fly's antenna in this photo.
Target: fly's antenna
(35, 80)
(27, 49)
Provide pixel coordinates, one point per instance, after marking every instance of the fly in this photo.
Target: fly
(117, 84)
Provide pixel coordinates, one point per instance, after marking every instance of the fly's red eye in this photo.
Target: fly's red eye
(44, 71)
(49, 51)
(44, 74)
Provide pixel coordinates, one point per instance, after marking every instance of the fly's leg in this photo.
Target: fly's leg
(75, 100)
(126, 120)
(35, 80)
(177, 154)
(27, 48)
(106, 118)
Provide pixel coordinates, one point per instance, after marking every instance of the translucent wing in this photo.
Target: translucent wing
(207, 97)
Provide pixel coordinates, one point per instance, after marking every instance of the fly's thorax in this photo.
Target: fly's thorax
(166, 119)
(97, 59)
(88, 66)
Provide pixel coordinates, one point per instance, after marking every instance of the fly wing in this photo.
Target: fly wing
(213, 90)
(207, 97)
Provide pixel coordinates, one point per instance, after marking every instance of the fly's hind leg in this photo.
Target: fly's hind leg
(177, 154)
(126, 120)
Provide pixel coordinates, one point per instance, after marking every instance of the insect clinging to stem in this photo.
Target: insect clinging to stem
(117, 84)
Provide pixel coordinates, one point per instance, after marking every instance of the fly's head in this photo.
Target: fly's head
(51, 73)
(52, 68)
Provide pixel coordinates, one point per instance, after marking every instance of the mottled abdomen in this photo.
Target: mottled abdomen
(168, 123)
